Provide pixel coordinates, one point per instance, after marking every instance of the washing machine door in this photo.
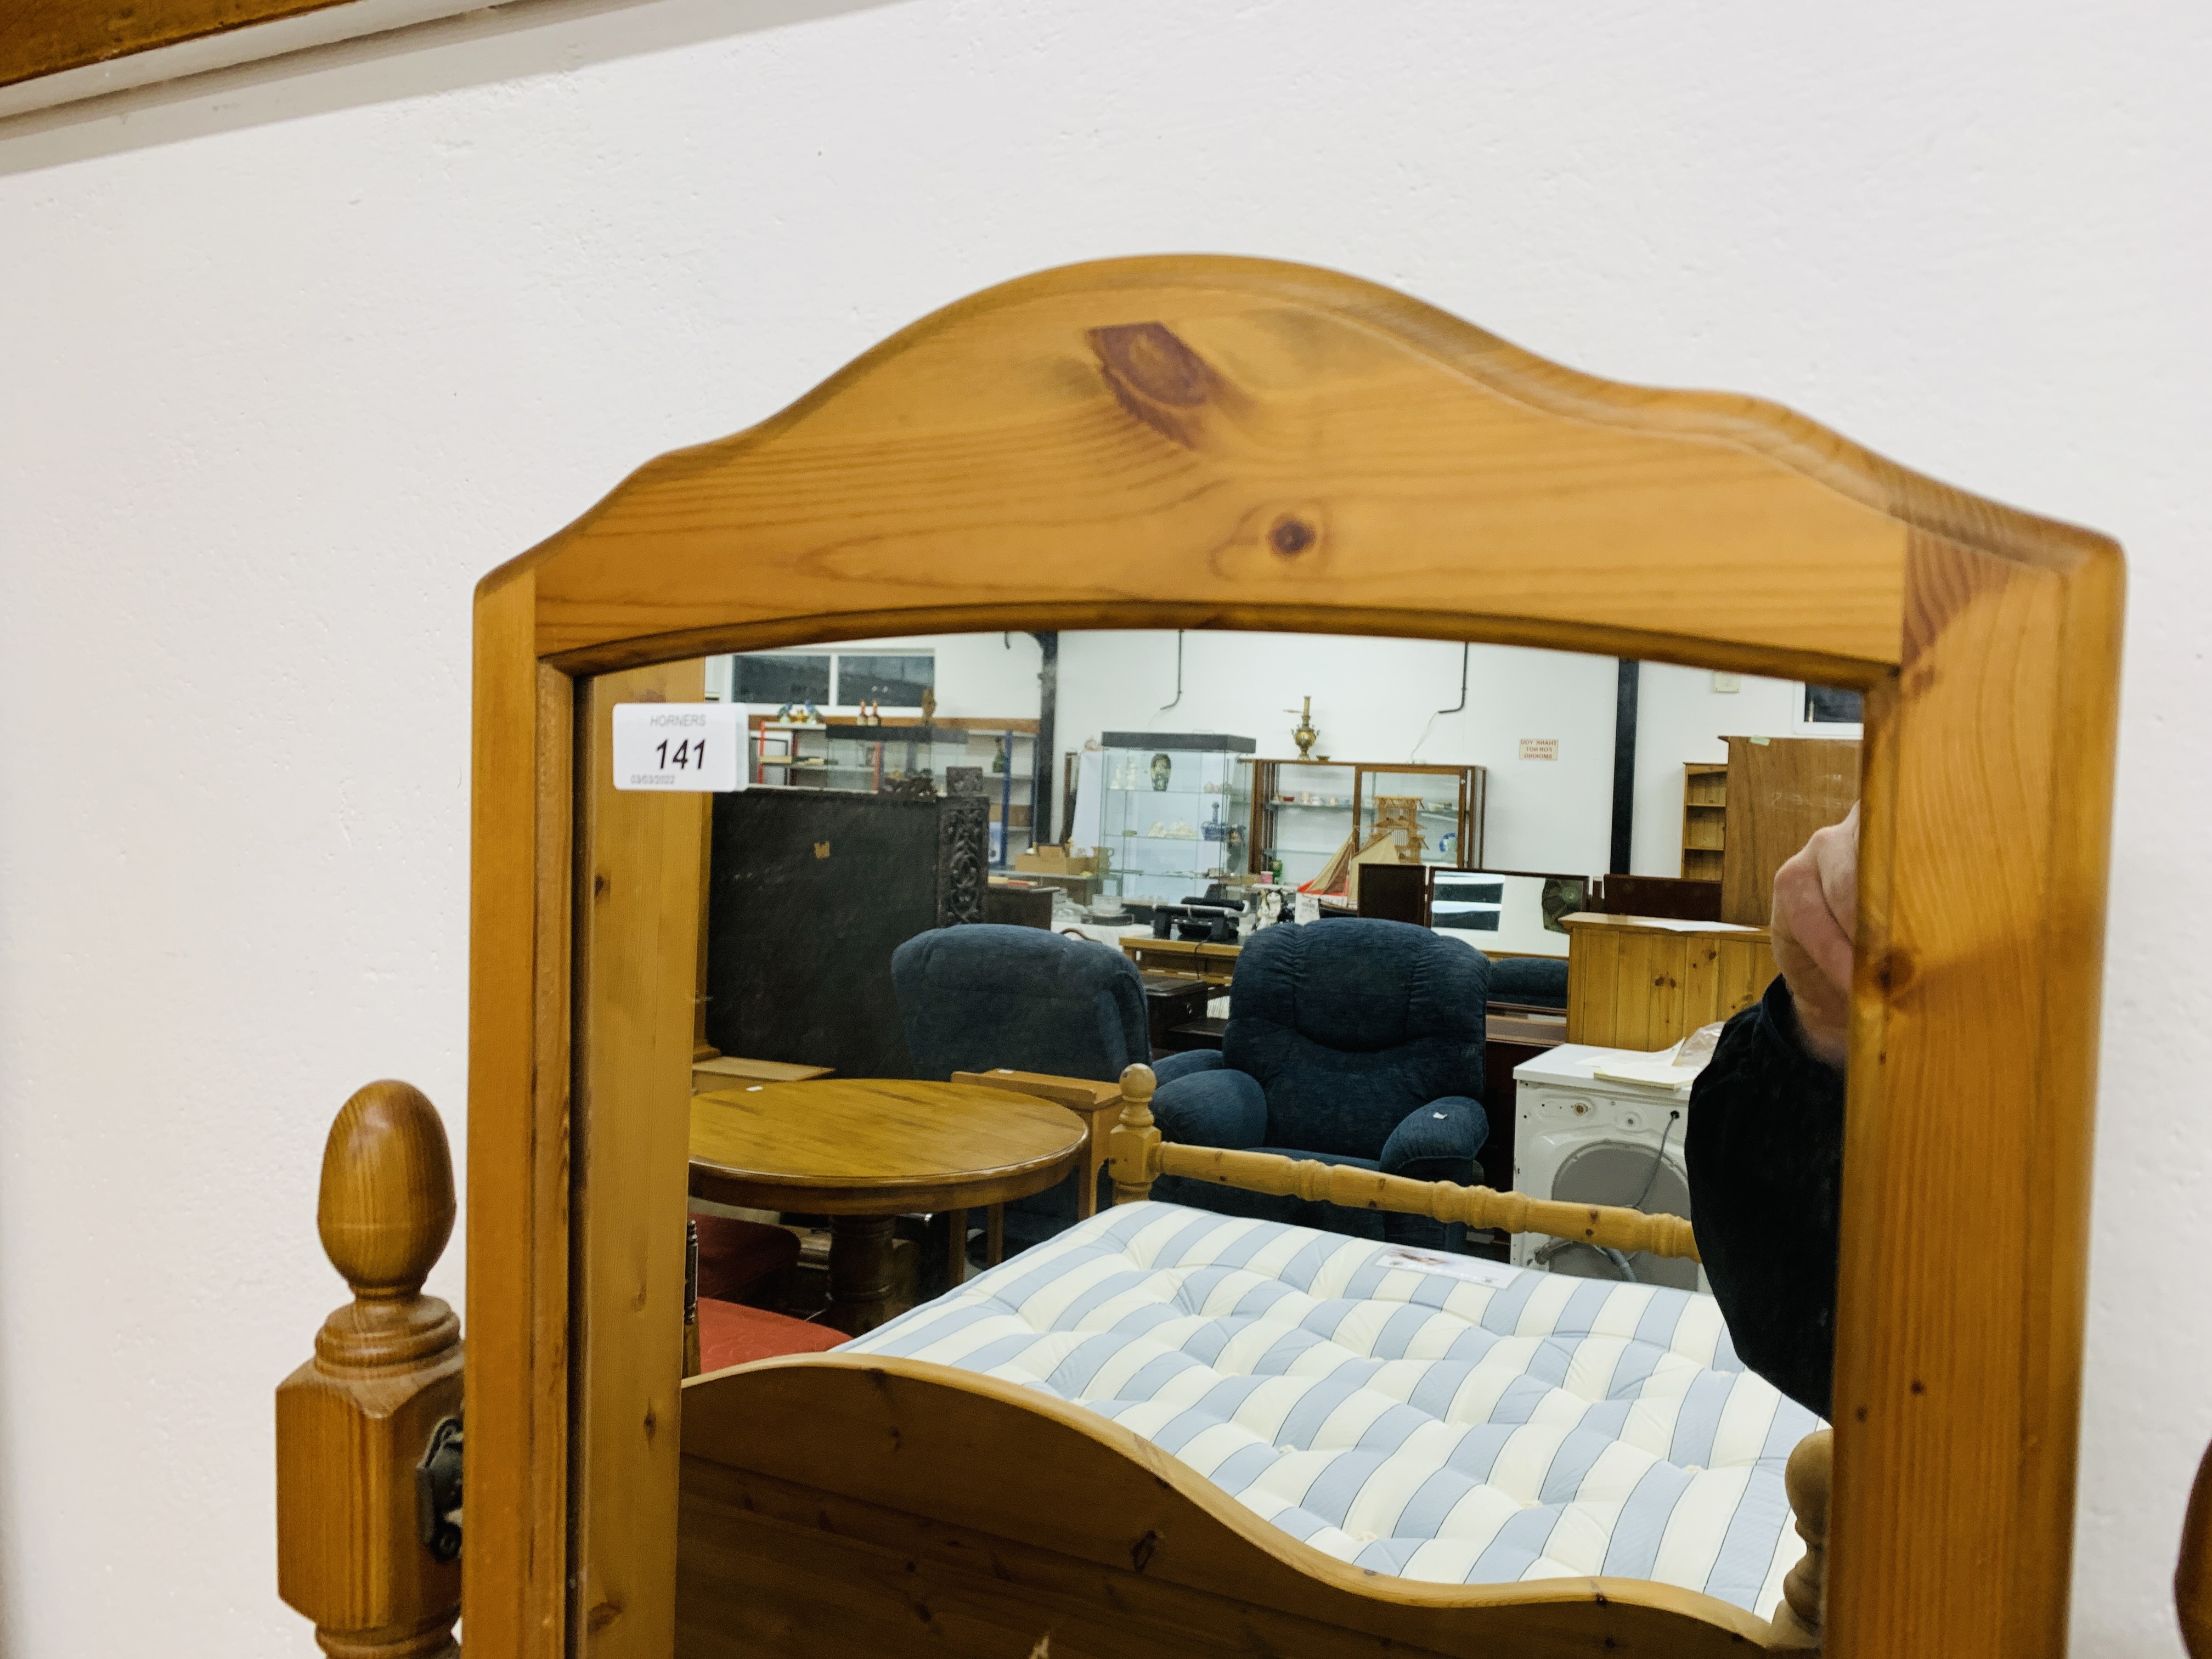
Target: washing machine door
(1620, 1172)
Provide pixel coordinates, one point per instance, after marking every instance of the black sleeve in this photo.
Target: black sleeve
(1766, 1149)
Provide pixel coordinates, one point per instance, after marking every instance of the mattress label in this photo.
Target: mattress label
(696, 746)
(1496, 1275)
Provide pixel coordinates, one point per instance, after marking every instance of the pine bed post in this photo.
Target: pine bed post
(1804, 1590)
(372, 1562)
(1135, 1141)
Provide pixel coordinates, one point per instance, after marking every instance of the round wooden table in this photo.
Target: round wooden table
(862, 1151)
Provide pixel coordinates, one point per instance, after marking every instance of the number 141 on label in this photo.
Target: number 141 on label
(678, 745)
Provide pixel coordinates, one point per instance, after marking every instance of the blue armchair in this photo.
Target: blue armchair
(981, 995)
(1351, 1041)
(1533, 982)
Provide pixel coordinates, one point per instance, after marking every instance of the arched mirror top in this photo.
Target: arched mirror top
(1188, 441)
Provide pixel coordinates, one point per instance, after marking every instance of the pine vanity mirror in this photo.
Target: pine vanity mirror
(1200, 445)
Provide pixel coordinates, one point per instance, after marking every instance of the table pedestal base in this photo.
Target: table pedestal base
(860, 1272)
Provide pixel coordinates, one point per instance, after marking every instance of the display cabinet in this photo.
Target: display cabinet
(838, 752)
(1304, 811)
(1174, 811)
(1444, 802)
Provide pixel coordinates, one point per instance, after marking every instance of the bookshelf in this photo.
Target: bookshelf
(1705, 818)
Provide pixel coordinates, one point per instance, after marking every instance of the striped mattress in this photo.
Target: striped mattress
(1430, 1416)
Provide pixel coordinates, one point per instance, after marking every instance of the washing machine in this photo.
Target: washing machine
(1585, 1140)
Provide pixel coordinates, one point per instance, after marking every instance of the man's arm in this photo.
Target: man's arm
(1765, 1162)
(1766, 1139)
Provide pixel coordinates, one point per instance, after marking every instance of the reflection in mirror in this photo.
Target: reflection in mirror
(1414, 916)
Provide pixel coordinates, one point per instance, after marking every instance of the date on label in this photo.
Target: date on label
(697, 746)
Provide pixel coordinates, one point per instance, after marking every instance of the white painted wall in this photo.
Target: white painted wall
(1376, 699)
(292, 358)
(1382, 700)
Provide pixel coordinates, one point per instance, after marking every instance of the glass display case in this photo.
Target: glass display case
(839, 753)
(1444, 803)
(1304, 811)
(1174, 811)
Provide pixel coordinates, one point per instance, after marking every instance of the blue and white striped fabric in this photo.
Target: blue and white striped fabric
(1429, 1416)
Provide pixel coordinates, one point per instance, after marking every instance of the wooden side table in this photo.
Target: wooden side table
(1097, 1105)
(1206, 1033)
(1191, 958)
(1511, 1040)
(862, 1151)
(731, 1072)
(1171, 999)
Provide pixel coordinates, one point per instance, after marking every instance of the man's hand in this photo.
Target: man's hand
(1816, 901)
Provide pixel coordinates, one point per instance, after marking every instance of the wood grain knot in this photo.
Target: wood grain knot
(1291, 536)
(1893, 971)
(1157, 379)
(1140, 1553)
(1152, 361)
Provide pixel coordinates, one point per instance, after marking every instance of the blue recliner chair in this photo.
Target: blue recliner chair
(1532, 982)
(1350, 1041)
(981, 995)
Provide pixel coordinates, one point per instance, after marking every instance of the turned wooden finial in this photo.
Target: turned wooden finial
(1137, 1085)
(1135, 1139)
(1796, 1622)
(353, 1424)
(387, 1207)
(384, 1213)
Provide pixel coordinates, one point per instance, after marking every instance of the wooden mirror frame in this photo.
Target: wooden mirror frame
(1184, 442)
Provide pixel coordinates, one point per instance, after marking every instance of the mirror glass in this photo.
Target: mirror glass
(1464, 912)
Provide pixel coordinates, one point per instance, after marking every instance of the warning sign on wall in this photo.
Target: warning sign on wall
(1539, 749)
